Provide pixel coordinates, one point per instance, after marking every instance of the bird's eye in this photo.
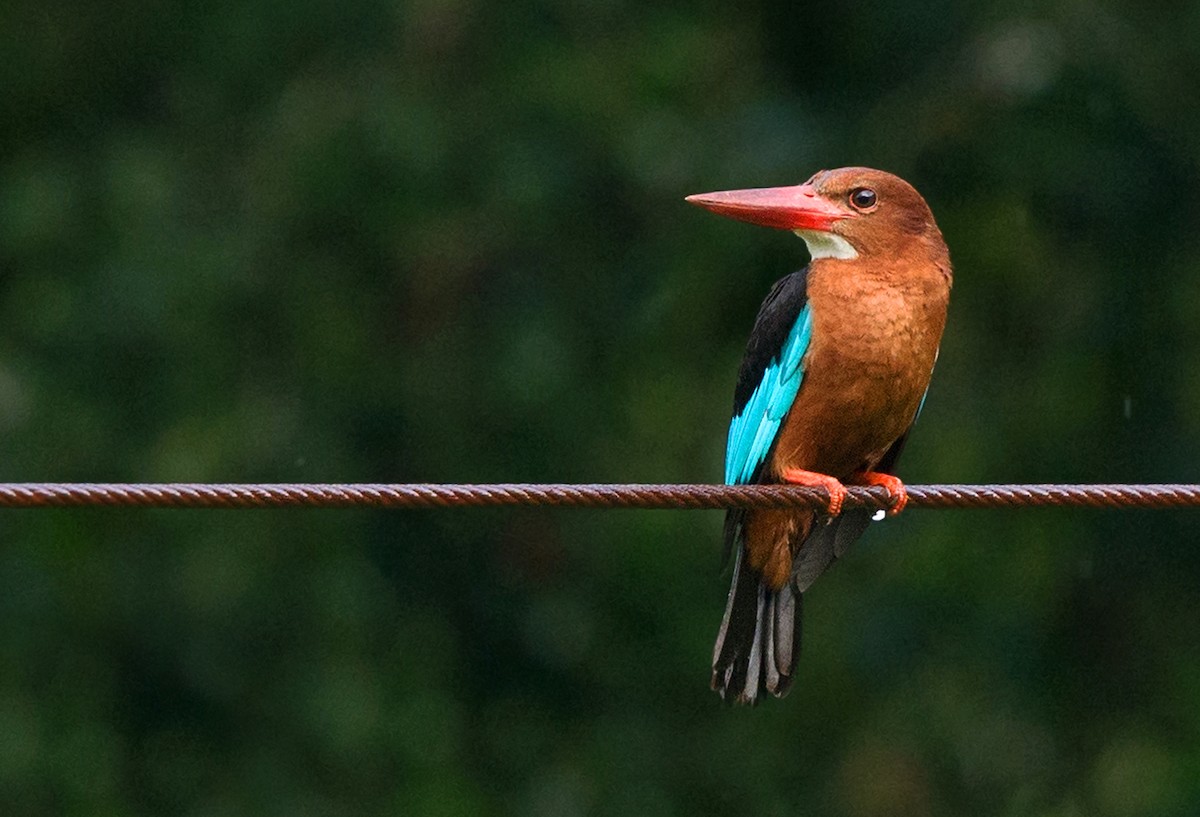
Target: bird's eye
(863, 198)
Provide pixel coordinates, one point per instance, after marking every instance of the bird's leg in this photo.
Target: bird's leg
(837, 491)
(894, 486)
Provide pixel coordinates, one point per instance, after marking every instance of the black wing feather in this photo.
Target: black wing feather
(775, 320)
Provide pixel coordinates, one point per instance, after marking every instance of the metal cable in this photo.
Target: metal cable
(429, 495)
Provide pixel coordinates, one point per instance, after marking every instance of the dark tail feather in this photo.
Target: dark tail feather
(759, 641)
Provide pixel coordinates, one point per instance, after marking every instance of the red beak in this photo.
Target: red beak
(785, 208)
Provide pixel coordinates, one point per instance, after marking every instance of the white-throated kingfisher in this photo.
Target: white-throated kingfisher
(834, 375)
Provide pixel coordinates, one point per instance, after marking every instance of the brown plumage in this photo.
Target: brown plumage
(875, 296)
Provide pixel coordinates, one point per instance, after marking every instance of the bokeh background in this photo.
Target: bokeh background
(444, 240)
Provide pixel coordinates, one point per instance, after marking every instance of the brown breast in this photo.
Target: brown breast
(875, 338)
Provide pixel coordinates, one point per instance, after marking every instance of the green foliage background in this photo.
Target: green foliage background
(444, 240)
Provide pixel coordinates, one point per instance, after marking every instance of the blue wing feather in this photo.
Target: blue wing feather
(752, 431)
(921, 405)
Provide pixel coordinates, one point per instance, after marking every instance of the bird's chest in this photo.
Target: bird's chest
(878, 338)
(866, 370)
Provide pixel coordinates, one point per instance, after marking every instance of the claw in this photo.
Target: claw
(895, 488)
(837, 491)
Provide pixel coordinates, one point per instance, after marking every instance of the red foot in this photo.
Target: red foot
(837, 491)
(893, 485)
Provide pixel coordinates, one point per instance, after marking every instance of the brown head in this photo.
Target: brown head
(852, 212)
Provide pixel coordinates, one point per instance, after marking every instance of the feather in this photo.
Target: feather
(759, 640)
(752, 432)
(771, 373)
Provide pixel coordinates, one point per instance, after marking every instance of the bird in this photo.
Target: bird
(835, 372)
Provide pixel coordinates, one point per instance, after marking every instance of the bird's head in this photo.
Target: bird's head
(847, 213)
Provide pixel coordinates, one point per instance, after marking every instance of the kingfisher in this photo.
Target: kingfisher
(834, 375)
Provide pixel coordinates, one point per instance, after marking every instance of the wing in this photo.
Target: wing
(770, 376)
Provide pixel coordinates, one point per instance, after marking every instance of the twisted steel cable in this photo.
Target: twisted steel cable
(685, 496)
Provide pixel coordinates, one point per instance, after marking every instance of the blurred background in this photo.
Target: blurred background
(444, 240)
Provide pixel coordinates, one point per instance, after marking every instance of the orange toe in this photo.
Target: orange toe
(899, 496)
(837, 491)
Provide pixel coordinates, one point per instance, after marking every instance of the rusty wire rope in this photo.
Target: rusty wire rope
(686, 496)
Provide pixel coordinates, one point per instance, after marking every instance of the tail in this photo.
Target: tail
(759, 641)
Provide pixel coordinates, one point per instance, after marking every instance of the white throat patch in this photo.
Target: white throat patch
(827, 245)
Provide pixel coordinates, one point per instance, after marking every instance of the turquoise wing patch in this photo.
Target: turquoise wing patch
(921, 405)
(753, 431)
